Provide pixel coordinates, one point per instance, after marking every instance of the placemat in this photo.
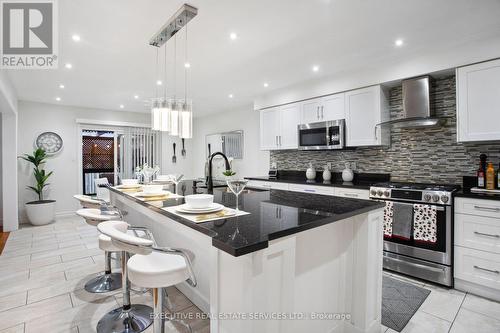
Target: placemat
(200, 218)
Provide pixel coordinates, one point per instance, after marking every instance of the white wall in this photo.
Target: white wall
(254, 163)
(8, 109)
(35, 118)
(429, 61)
(1, 182)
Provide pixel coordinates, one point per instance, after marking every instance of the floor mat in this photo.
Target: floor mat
(400, 301)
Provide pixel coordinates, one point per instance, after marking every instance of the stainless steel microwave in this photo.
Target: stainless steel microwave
(323, 135)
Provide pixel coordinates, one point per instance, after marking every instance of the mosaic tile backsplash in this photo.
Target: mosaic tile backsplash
(415, 155)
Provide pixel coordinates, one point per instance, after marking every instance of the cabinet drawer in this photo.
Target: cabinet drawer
(267, 185)
(477, 232)
(351, 193)
(488, 208)
(478, 267)
(326, 190)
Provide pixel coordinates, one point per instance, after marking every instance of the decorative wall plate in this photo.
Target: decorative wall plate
(50, 142)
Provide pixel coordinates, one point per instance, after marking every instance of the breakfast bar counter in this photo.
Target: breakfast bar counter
(314, 262)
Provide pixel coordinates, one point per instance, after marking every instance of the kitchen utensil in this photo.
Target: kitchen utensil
(174, 158)
(183, 151)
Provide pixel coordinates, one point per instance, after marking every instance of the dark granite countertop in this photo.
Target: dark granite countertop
(273, 214)
(470, 182)
(361, 180)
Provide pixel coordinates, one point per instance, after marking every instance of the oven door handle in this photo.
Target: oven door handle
(434, 269)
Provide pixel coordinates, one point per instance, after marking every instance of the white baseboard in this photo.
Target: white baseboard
(477, 289)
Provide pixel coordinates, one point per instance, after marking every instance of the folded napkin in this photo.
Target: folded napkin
(206, 217)
(425, 223)
(388, 213)
(402, 220)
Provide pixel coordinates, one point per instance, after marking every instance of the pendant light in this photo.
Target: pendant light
(174, 111)
(155, 108)
(164, 105)
(186, 116)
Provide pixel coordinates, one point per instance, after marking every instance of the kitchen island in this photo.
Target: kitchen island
(297, 263)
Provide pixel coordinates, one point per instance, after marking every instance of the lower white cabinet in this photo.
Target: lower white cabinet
(477, 247)
(267, 185)
(326, 190)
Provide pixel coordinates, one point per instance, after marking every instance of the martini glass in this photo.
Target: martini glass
(237, 186)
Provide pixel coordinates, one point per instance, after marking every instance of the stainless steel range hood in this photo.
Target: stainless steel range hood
(417, 108)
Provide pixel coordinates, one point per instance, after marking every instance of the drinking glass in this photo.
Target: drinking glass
(236, 186)
(176, 179)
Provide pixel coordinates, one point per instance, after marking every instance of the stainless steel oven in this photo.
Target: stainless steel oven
(424, 260)
(323, 135)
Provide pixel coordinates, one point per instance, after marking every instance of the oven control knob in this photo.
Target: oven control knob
(373, 192)
(444, 198)
(435, 198)
(380, 193)
(387, 194)
(427, 197)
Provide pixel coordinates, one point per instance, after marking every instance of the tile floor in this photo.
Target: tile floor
(43, 271)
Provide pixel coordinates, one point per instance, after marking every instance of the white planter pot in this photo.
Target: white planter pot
(41, 212)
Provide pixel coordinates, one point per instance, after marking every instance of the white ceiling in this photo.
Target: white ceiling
(279, 41)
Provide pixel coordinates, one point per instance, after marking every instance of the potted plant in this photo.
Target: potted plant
(41, 211)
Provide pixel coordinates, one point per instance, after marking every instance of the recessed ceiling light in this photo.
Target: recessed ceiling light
(230, 96)
(58, 99)
(68, 66)
(398, 42)
(136, 96)
(315, 68)
(187, 65)
(61, 86)
(233, 35)
(76, 38)
(122, 106)
(159, 83)
(266, 85)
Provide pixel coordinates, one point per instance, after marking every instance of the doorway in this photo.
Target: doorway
(98, 158)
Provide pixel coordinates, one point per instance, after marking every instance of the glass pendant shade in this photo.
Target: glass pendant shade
(164, 116)
(156, 116)
(186, 121)
(174, 118)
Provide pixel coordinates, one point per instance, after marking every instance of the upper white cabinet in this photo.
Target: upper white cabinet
(364, 109)
(278, 127)
(478, 102)
(323, 109)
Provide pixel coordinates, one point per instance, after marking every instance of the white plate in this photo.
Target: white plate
(152, 194)
(215, 207)
(128, 186)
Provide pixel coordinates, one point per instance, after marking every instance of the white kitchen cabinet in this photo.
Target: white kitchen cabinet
(315, 189)
(478, 102)
(289, 120)
(267, 185)
(477, 247)
(351, 193)
(327, 108)
(365, 108)
(278, 127)
(269, 128)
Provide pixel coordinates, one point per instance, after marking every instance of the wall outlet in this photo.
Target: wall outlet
(329, 165)
(274, 165)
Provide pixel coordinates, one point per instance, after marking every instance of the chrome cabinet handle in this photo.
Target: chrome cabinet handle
(276, 140)
(322, 113)
(491, 209)
(351, 195)
(309, 190)
(317, 112)
(279, 139)
(486, 269)
(376, 136)
(487, 235)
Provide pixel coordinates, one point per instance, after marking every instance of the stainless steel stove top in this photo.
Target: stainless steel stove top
(440, 194)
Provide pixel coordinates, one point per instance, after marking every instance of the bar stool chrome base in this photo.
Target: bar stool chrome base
(134, 320)
(104, 283)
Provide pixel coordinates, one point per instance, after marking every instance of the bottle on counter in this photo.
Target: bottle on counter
(490, 177)
(498, 177)
(480, 176)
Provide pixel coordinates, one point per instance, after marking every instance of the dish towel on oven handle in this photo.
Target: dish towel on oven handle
(425, 223)
(402, 221)
(388, 214)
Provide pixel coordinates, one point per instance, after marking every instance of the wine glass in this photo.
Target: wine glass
(236, 186)
(176, 179)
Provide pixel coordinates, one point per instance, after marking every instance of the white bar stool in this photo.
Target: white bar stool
(87, 201)
(108, 281)
(151, 266)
